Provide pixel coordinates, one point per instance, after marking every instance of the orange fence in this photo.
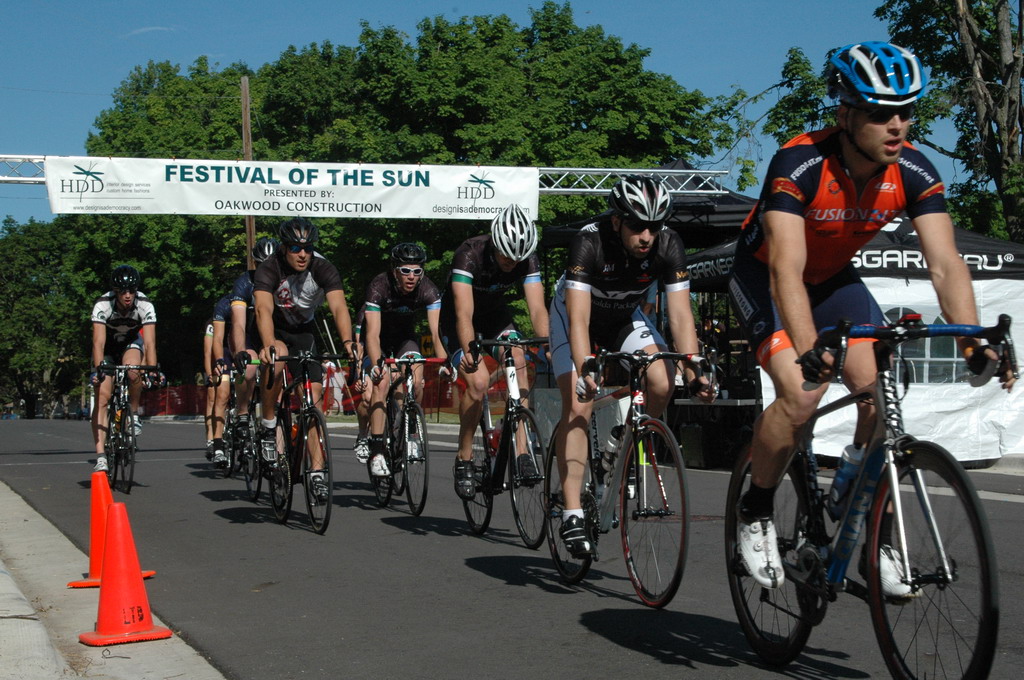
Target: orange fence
(438, 395)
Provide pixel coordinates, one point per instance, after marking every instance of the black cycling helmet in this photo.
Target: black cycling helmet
(640, 198)
(407, 253)
(298, 230)
(264, 248)
(125, 277)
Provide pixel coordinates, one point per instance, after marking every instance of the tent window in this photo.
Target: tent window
(934, 360)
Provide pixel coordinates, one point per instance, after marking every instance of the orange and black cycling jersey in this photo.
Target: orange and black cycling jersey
(806, 177)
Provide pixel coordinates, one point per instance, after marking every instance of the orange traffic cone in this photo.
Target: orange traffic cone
(124, 614)
(100, 499)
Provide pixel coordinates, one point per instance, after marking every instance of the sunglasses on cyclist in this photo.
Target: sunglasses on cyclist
(121, 291)
(300, 247)
(410, 271)
(639, 227)
(883, 114)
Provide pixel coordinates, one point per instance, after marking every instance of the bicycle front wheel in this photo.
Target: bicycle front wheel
(946, 627)
(478, 509)
(318, 487)
(280, 471)
(526, 479)
(415, 451)
(251, 454)
(571, 569)
(654, 514)
(776, 622)
(124, 473)
(396, 453)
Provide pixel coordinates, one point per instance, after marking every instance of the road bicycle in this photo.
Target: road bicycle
(920, 508)
(406, 445)
(643, 494)
(120, 447)
(512, 446)
(247, 434)
(301, 437)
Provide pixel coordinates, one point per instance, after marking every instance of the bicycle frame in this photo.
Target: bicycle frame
(881, 451)
(513, 407)
(639, 362)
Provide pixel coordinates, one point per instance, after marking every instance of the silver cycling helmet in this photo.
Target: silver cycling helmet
(513, 233)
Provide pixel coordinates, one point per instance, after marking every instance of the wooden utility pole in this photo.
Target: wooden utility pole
(250, 221)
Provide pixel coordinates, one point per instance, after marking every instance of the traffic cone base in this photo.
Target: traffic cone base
(124, 614)
(100, 500)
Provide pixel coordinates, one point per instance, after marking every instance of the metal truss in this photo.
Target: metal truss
(22, 170)
(600, 180)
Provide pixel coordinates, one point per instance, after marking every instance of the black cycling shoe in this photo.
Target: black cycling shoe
(465, 485)
(574, 535)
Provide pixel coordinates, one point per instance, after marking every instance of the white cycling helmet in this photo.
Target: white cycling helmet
(514, 234)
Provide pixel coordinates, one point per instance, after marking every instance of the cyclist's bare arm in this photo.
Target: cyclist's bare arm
(464, 307)
(534, 294)
(263, 302)
(99, 342)
(787, 248)
(684, 337)
(433, 322)
(149, 344)
(371, 325)
(342, 319)
(238, 320)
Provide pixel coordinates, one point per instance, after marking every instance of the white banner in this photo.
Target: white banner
(95, 185)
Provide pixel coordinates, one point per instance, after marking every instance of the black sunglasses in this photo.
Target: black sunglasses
(300, 247)
(883, 114)
(638, 227)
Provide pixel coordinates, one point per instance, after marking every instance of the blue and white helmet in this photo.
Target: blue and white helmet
(876, 73)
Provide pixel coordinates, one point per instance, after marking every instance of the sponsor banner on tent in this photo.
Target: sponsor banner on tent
(94, 185)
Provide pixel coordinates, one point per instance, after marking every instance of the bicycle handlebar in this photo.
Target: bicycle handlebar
(835, 339)
(704, 366)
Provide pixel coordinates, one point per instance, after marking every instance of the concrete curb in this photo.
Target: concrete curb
(40, 618)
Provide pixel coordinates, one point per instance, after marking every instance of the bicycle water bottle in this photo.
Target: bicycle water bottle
(611, 448)
(295, 435)
(494, 438)
(847, 472)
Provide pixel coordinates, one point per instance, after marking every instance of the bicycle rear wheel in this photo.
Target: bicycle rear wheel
(654, 514)
(125, 460)
(571, 569)
(314, 438)
(775, 622)
(478, 509)
(280, 471)
(947, 626)
(415, 452)
(526, 479)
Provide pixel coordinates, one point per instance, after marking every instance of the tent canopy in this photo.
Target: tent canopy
(894, 252)
(702, 221)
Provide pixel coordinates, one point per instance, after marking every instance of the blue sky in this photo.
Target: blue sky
(62, 60)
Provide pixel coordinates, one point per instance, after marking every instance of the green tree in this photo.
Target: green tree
(38, 347)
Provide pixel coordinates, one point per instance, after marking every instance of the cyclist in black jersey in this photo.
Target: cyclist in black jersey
(289, 287)
(244, 335)
(393, 298)
(826, 194)
(123, 332)
(359, 381)
(485, 269)
(612, 264)
(211, 395)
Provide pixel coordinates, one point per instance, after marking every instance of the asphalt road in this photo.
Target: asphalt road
(384, 594)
